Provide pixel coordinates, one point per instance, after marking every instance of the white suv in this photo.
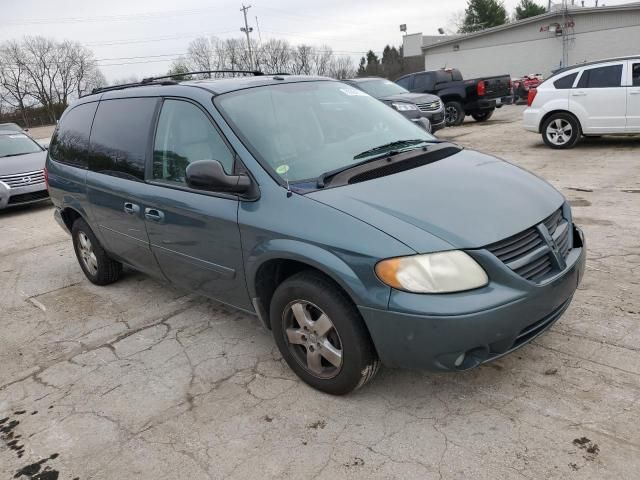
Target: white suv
(591, 99)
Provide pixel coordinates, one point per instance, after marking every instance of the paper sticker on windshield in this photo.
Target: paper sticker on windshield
(282, 169)
(353, 92)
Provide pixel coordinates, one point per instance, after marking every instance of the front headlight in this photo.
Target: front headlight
(441, 272)
(404, 107)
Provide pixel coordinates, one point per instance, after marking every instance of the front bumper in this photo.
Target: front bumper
(462, 330)
(10, 197)
(436, 118)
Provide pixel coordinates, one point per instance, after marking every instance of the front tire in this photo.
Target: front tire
(561, 131)
(97, 266)
(482, 116)
(321, 334)
(453, 113)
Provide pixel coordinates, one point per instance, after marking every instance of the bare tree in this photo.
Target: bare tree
(301, 63)
(43, 68)
(341, 68)
(13, 78)
(200, 55)
(321, 60)
(275, 55)
(272, 56)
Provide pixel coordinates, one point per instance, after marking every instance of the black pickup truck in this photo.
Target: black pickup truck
(477, 97)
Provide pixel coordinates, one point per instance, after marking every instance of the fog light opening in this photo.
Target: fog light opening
(458, 361)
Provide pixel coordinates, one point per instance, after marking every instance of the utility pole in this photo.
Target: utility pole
(247, 30)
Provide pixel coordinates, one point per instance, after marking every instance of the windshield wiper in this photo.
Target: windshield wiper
(389, 148)
(372, 155)
(12, 155)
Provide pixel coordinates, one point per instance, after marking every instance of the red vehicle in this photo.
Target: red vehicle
(521, 86)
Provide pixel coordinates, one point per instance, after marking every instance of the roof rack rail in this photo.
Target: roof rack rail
(166, 80)
(256, 73)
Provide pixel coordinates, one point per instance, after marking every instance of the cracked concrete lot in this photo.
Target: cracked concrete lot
(139, 380)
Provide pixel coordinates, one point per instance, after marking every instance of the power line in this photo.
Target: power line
(108, 18)
(155, 39)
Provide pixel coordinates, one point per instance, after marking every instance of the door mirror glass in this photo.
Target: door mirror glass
(210, 175)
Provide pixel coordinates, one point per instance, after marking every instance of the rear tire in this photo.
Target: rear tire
(561, 131)
(321, 334)
(482, 116)
(97, 266)
(453, 113)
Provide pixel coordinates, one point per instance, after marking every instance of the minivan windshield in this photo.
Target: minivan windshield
(380, 88)
(15, 144)
(304, 129)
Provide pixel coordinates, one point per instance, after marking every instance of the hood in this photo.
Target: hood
(411, 98)
(469, 200)
(29, 162)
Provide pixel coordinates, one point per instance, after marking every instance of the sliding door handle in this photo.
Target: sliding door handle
(131, 208)
(154, 215)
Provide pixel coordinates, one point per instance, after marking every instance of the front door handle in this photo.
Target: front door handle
(153, 215)
(131, 208)
(578, 94)
(635, 92)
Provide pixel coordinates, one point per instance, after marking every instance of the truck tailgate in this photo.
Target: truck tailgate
(497, 87)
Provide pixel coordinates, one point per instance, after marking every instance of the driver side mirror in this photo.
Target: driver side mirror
(209, 175)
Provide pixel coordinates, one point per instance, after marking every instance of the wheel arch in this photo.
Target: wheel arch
(69, 215)
(553, 112)
(288, 257)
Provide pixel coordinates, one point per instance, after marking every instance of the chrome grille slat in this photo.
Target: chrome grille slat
(23, 179)
(430, 106)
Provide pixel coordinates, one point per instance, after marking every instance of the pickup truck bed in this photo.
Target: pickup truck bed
(477, 97)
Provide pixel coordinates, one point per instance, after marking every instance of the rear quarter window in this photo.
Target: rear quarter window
(565, 83)
(70, 143)
(121, 135)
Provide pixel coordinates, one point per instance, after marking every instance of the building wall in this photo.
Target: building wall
(412, 44)
(525, 49)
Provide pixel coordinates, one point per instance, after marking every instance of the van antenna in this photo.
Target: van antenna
(289, 192)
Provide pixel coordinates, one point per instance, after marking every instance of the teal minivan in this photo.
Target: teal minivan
(354, 235)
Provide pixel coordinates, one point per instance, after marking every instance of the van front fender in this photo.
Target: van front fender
(359, 282)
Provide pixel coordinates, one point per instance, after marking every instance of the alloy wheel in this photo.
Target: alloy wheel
(451, 115)
(313, 339)
(87, 254)
(559, 132)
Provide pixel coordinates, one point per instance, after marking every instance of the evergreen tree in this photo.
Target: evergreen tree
(373, 64)
(528, 8)
(391, 62)
(482, 14)
(362, 68)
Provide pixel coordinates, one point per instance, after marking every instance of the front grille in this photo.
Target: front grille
(28, 197)
(528, 253)
(23, 179)
(430, 106)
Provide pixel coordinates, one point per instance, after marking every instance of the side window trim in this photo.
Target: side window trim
(58, 126)
(237, 163)
(148, 152)
(586, 70)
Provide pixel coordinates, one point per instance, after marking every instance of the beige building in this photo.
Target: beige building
(536, 45)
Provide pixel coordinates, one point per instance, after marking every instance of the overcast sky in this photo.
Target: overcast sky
(141, 37)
